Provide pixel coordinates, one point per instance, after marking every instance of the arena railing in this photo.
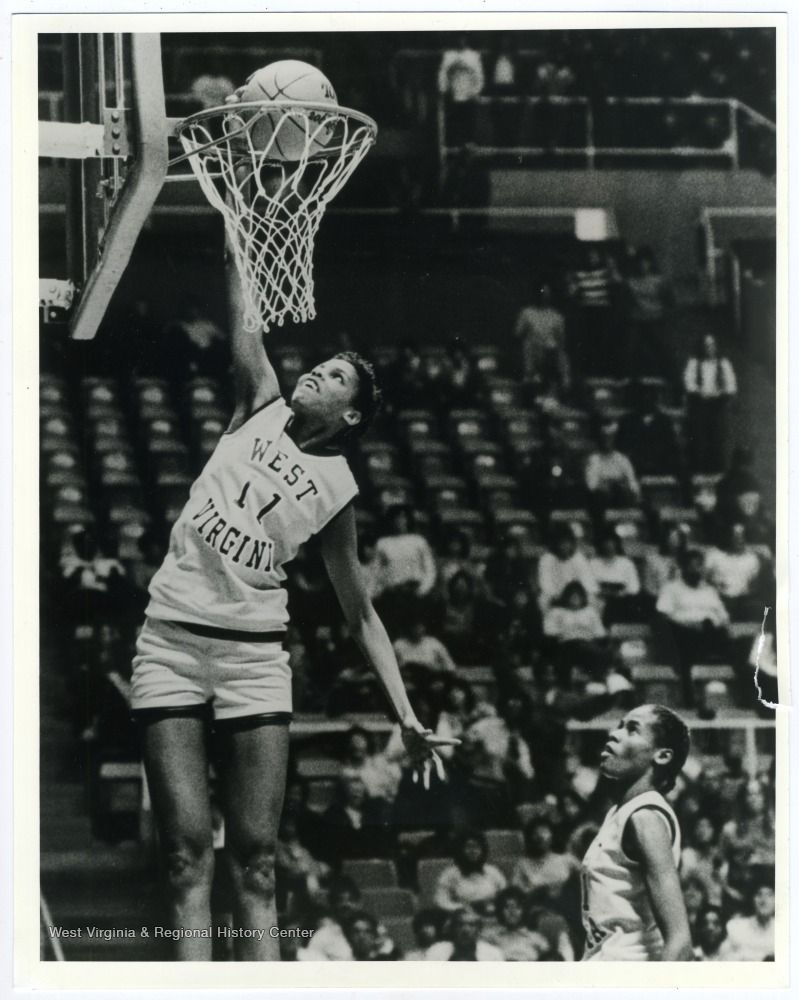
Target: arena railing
(606, 129)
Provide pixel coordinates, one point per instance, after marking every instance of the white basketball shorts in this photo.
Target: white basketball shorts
(177, 668)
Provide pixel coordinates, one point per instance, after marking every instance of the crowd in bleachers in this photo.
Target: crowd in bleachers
(545, 541)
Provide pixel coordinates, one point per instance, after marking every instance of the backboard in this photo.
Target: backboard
(108, 140)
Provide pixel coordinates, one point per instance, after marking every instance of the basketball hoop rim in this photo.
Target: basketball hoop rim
(334, 110)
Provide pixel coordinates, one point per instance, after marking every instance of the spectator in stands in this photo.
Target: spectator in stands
(609, 475)
(701, 857)
(460, 83)
(544, 919)
(505, 753)
(353, 823)
(738, 480)
(696, 619)
(646, 435)
(307, 821)
(406, 383)
(94, 584)
(427, 926)
(709, 934)
(542, 867)
(752, 829)
(504, 84)
(379, 774)
(647, 299)
(758, 526)
(737, 573)
(553, 78)
(470, 880)
(508, 933)
(464, 941)
(469, 623)
(710, 383)
(467, 185)
(521, 625)
(407, 567)
(619, 584)
(297, 869)
(508, 569)
(563, 564)
(575, 627)
(456, 557)
(595, 347)
(455, 716)
(142, 570)
(456, 382)
(663, 565)
(193, 344)
(361, 932)
(695, 898)
(541, 329)
(329, 943)
(420, 650)
(751, 938)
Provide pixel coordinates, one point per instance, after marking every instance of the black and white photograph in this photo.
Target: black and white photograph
(410, 548)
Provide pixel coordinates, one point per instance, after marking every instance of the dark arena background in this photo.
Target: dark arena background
(560, 255)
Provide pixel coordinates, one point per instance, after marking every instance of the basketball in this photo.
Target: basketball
(283, 82)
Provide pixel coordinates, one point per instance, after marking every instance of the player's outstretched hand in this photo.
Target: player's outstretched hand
(420, 745)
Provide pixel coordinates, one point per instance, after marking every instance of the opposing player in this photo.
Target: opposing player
(211, 643)
(633, 908)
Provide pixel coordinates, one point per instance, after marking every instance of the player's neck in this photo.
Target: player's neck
(310, 436)
(638, 787)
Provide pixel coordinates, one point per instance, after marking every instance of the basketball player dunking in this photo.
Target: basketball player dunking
(211, 644)
(633, 907)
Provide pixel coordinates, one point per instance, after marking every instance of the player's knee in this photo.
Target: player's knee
(255, 867)
(189, 864)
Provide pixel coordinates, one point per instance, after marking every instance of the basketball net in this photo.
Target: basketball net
(272, 206)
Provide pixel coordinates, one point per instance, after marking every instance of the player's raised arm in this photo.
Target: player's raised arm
(653, 846)
(340, 552)
(254, 379)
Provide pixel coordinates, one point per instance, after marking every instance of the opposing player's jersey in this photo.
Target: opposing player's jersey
(257, 500)
(617, 916)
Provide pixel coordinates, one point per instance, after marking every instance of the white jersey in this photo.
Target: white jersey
(617, 915)
(257, 500)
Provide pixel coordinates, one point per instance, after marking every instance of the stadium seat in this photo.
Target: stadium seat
(657, 683)
(628, 522)
(319, 767)
(321, 792)
(504, 844)
(660, 491)
(371, 873)
(389, 902)
(400, 930)
(428, 871)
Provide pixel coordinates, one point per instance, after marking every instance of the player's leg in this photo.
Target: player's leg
(176, 765)
(252, 761)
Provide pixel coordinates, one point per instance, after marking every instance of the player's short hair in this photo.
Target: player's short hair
(672, 734)
(368, 395)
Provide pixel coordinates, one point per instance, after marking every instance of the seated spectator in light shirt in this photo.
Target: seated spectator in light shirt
(542, 868)
(422, 650)
(469, 880)
(379, 775)
(572, 618)
(695, 616)
(609, 475)
(563, 564)
(516, 942)
(464, 942)
(735, 569)
(614, 572)
(406, 561)
(751, 938)
(689, 601)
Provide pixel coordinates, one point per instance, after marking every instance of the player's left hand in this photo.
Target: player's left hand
(420, 744)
